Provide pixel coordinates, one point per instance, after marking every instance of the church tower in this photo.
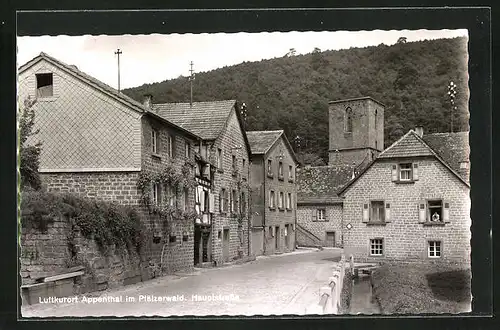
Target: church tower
(356, 130)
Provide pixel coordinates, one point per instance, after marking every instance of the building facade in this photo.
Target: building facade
(410, 204)
(274, 193)
(224, 144)
(98, 143)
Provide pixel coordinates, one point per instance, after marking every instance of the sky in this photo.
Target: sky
(155, 57)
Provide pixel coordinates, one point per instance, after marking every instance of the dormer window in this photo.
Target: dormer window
(44, 85)
(348, 120)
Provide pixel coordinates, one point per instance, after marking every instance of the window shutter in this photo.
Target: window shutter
(415, 171)
(387, 212)
(315, 215)
(446, 211)
(273, 231)
(366, 213)
(422, 212)
(394, 172)
(211, 203)
(220, 201)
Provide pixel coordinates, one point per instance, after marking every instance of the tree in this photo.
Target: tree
(29, 154)
(402, 40)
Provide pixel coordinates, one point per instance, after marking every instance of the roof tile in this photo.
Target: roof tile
(261, 141)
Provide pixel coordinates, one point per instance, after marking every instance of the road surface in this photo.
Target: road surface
(271, 285)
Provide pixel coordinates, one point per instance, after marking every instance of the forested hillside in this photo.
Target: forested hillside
(292, 92)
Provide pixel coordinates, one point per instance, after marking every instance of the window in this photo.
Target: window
(376, 247)
(281, 202)
(235, 164)
(435, 210)
(271, 199)
(44, 85)
(434, 249)
(154, 141)
(270, 167)
(186, 199)
(171, 196)
(348, 120)
(289, 201)
(156, 194)
(321, 214)
(170, 146)
(234, 206)
(187, 150)
(172, 239)
(464, 165)
(377, 211)
(206, 199)
(290, 173)
(405, 173)
(280, 170)
(223, 200)
(243, 203)
(219, 158)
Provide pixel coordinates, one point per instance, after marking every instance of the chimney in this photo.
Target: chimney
(419, 130)
(147, 101)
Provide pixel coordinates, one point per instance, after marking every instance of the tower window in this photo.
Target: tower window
(348, 120)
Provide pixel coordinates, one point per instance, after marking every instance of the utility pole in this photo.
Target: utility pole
(118, 52)
(452, 93)
(191, 78)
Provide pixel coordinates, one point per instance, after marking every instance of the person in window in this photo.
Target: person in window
(435, 217)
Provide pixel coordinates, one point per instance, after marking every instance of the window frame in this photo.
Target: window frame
(348, 120)
(429, 213)
(39, 76)
(154, 141)
(318, 212)
(371, 248)
(280, 170)
(270, 172)
(437, 249)
(219, 159)
(381, 203)
(289, 201)
(156, 194)
(409, 170)
(290, 173)
(187, 150)
(281, 200)
(272, 198)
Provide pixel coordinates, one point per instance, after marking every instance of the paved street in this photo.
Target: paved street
(270, 285)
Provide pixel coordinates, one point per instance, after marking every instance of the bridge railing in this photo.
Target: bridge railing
(330, 295)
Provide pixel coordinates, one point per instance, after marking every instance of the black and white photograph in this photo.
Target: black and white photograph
(244, 174)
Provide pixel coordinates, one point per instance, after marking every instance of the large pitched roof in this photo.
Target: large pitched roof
(412, 145)
(106, 89)
(320, 184)
(72, 69)
(453, 148)
(262, 141)
(206, 119)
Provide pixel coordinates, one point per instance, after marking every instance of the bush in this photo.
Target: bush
(106, 223)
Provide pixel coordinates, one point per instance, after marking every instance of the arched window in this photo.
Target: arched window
(348, 120)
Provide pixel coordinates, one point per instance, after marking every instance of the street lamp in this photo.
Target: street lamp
(452, 92)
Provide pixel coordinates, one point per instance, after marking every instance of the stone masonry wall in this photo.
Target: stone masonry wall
(232, 142)
(45, 254)
(404, 238)
(276, 217)
(319, 228)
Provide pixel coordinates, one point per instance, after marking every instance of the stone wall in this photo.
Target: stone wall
(231, 142)
(333, 221)
(404, 237)
(279, 217)
(60, 248)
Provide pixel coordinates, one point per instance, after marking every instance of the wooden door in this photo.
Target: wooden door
(225, 245)
(330, 238)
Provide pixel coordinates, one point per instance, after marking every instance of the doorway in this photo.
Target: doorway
(277, 238)
(330, 238)
(225, 245)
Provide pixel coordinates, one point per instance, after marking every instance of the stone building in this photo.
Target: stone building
(224, 235)
(412, 202)
(408, 202)
(274, 200)
(356, 131)
(99, 143)
(319, 209)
